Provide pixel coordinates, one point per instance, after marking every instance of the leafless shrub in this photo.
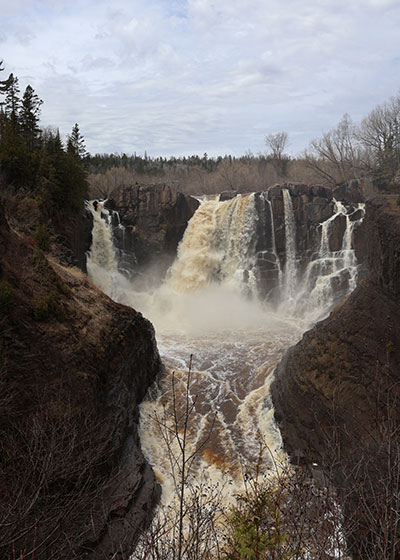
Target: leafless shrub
(368, 478)
(52, 475)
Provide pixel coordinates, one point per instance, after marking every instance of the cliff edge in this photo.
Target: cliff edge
(336, 393)
(73, 367)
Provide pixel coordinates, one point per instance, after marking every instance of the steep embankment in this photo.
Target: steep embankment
(73, 367)
(336, 393)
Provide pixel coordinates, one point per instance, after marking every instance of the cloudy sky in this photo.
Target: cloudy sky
(176, 77)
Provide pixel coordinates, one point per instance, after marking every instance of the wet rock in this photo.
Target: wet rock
(154, 217)
(227, 195)
(312, 205)
(331, 391)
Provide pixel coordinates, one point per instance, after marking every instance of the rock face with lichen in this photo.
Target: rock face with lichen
(73, 367)
(336, 393)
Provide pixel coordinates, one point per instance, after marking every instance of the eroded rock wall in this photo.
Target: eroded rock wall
(312, 205)
(73, 367)
(154, 218)
(336, 393)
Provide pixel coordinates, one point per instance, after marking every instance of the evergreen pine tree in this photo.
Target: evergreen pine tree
(29, 117)
(62, 172)
(76, 143)
(12, 100)
(15, 159)
(4, 84)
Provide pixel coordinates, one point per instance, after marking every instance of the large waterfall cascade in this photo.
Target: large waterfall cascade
(218, 247)
(208, 307)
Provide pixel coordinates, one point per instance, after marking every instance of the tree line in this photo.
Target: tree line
(347, 151)
(36, 158)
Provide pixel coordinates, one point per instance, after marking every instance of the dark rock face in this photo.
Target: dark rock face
(384, 243)
(312, 205)
(74, 237)
(350, 192)
(336, 392)
(154, 219)
(227, 195)
(73, 367)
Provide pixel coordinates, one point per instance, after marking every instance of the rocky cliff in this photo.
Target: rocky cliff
(154, 218)
(336, 393)
(312, 205)
(73, 368)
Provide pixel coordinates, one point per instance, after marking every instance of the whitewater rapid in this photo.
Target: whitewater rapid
(208, 308)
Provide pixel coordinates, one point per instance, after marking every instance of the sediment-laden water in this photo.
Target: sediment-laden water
(208, 307)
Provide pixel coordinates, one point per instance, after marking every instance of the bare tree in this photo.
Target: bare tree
(379, 132)
(102, 185)
(277, 143)
(280, 514)
(336, 157)
(185, 529)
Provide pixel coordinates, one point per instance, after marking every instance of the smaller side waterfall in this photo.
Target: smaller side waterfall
(278, 262)
(102, 251)
(289, 285)
(330, 275)
(102, 261)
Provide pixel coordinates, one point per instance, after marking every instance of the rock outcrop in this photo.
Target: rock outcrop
(312, 205)
(336, 393)
(73, 367)
(154, 218)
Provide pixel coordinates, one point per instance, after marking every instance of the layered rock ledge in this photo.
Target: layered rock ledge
(154, 217)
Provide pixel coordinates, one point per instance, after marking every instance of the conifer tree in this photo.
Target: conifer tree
(29, 116)
(12, 100)
(4, 84)
(76, 143)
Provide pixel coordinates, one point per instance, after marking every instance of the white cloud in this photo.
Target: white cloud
(201, 75)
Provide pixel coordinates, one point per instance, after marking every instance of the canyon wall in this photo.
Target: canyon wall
(73, 367)
(154, 218)
(336, 393)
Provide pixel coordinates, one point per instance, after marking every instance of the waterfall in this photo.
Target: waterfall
(103, 264)
(289, 287)
(102, 251)
(278, 262)
(218, 247)
(331, 274)
(208, 307)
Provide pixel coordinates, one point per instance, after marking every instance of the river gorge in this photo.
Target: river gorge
(247, 281)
